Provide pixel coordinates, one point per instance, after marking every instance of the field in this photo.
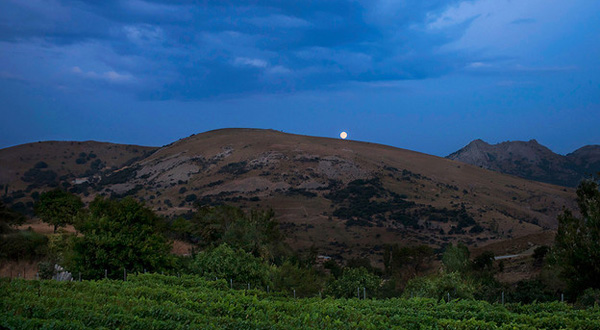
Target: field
(170, 302)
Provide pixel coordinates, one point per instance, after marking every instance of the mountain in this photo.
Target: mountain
(587, 159)
(532, 161)
(345, 198)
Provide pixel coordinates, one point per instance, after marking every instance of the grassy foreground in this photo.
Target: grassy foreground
(168, 302)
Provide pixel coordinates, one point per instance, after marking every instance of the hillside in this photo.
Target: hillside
(346, 198)
(531, 160)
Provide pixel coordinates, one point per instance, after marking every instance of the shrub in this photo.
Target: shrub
(23, 245)
(589, 298)
(438, 287)
(228, 263)
(352, 282)
(191, 197)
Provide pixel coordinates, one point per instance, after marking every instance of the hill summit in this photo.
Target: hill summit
(344, 198)
(531, 160)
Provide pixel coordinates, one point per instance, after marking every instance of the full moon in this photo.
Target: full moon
(343, 135)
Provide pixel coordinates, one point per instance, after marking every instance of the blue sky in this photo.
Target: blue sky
(424, 75)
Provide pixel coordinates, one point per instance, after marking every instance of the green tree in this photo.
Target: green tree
(228, 263)
(9, 218)
(306, 281)
(456, 259)
(352, 281)
(119, 235)
(255, 232)
(577, 242)
(58, 207)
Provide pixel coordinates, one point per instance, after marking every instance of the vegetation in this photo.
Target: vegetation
(9, 219)
(117, 236)
(189, 302)
(227, 263)
(37, 177)
(23, 245)
(255, 232)
(577, 243)
(58, 207)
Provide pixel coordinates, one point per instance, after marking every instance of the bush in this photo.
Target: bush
(306, 281)
(40, 165)
(528, 291)
(589, 298)
(227, 263)
(438, 287)
(23, 245)
(352, 281)
(456, 259)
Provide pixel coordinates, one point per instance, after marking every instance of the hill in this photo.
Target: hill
(345, 198)
(531, 160)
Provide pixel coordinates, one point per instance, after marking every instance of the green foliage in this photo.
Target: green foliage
(169, 302)
(255, 232)
(228, 263)
(540, 253)
(119, 235)
(306, 281)
(58, 207)
(528, 291)
(9, 218)
(484, 262)
(577, 242)
(23, 245)
(351, 281)
(438, 287)
(456, 259)
(415, 259)
(589, 298)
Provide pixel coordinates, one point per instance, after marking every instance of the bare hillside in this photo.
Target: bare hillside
(343, 197)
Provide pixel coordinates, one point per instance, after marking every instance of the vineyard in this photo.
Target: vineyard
(188, 302)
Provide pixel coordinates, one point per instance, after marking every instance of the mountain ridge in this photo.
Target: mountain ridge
(531, 160)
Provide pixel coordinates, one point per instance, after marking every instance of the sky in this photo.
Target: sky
(429, 76)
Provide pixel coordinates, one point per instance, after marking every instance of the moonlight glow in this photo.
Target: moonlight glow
(343, 135)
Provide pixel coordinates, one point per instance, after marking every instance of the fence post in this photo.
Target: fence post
(231, 283)
(105, 273)
(364, 293)
(267, 289)
(448, 296)
(562, 297)
(502, 297)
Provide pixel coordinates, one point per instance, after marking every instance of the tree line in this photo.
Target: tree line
(117, 235)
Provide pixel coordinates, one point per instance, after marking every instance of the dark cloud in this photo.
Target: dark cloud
(202, 49)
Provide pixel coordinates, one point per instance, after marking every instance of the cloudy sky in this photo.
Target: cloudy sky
(424, 75)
